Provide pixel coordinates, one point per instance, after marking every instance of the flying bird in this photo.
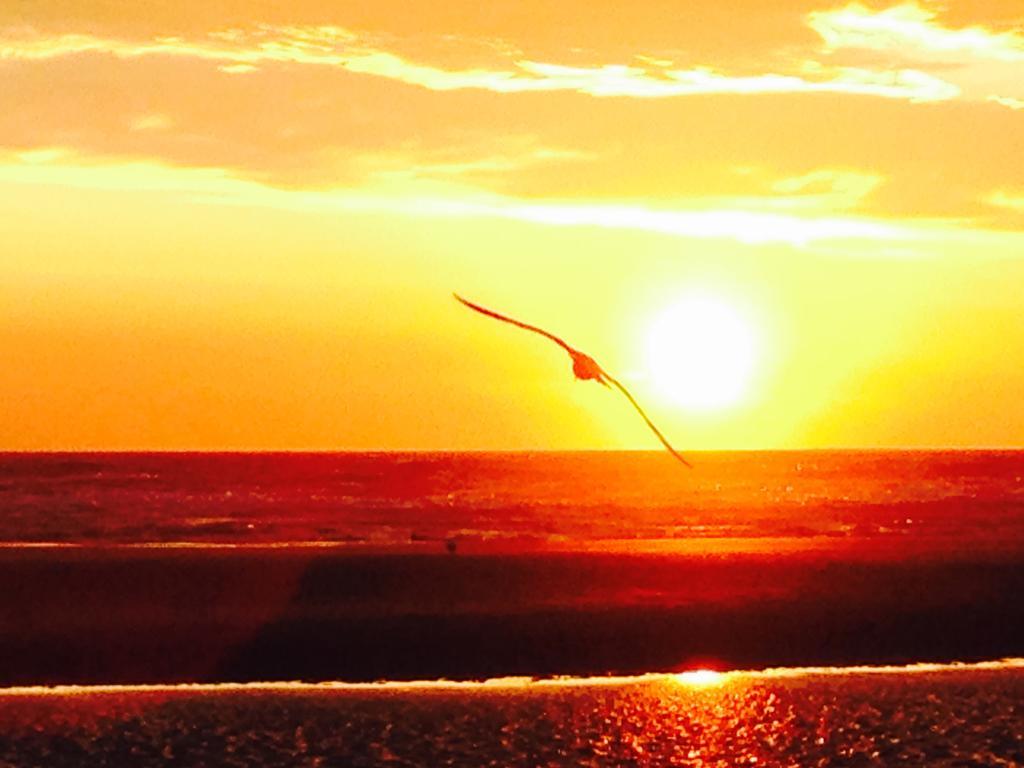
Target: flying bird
(584, 367)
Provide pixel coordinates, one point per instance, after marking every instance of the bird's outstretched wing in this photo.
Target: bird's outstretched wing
(517, 323)
(590, 369)
(647, 419)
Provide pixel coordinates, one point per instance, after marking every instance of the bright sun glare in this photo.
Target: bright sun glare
(701, 353)
(700, 678)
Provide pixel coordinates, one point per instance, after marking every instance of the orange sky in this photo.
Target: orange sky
(238, 224)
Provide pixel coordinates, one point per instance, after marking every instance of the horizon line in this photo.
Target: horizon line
(504, 451)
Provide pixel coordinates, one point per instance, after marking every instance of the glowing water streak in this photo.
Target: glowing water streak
(692, 677)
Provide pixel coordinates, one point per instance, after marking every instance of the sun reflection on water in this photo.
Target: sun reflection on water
(935, 715)
(702, 678)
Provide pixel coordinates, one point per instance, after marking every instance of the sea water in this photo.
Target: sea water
(973, 498)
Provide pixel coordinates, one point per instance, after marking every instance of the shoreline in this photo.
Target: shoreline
(695, 678)
(843, 546)
(208, 615)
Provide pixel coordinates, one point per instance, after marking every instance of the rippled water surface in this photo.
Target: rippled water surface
(395, 499)
(947, 718)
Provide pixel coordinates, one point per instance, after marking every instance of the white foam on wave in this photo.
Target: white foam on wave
(695, 677)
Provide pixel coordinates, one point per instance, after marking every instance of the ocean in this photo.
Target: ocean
(512, 609)
(514, 500)
(952, 716)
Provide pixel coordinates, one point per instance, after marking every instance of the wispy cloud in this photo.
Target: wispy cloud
(830, 188)
(151, 122)
(745, 226)
(1002, 199)
(909, 28)
(239, 52)
(982, 63)
(1007, 101)
(437, 199)
(510, 155)
(263, 44)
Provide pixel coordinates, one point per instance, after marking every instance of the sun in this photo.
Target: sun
(701, 353)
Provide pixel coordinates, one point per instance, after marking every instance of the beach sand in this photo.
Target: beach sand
(105, 615)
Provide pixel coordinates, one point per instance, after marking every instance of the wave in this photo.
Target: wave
(693, 677)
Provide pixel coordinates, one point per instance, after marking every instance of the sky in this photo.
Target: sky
(238, 225)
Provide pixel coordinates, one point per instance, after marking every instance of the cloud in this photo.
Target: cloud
(238, 69)
(830, 188)
(59, 166)
(983, 64)
(151, 122)
(510, 154)
(612, 80)
(240, 52)
(745, 226)
(1007, 101)
(1002, 199)
(316, 107)
(912, 30)
(304, 45)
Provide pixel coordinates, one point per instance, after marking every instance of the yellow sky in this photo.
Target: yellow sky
(238, 224)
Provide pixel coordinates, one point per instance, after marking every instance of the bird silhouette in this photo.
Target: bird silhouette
(584, 368)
